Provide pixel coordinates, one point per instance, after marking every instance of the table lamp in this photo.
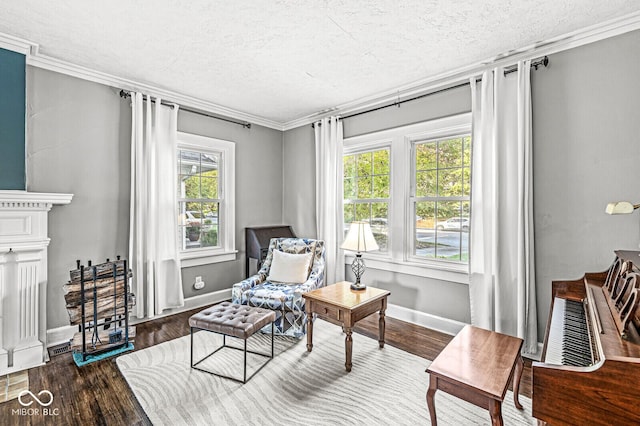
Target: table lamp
(359, 239)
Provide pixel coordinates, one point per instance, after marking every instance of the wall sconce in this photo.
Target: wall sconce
(621, 207)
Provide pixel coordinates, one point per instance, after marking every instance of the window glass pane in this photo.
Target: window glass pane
(425, 235)
(448, 209)
(426, 183)
(381, 186)
(466, 155)
(426, 157)
(451, 226)
(466, 182)
(199, 224)
(190, 186)
(379, 224)
(364, 165)
(349, 165)
(381, 162)
(466, 209)
(363, 211)
(209, 236)
(364, 187)
(349, 188)
(210, 213)
(189, 162)
(450, 153)
(190, 218)
(349, 216)
(209, 163)
(450, 182)
(208, 187)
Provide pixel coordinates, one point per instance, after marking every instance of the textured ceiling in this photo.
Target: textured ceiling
(283, 60)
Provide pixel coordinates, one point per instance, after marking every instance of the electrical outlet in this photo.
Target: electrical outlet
(199, 284)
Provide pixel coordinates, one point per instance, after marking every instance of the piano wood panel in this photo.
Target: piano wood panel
(606, 393)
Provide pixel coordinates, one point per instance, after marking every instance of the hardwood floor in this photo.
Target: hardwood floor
(97, 394)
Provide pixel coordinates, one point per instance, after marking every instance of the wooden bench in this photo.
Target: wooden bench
(477, 366)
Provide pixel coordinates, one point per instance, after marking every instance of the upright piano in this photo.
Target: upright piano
(590, 368)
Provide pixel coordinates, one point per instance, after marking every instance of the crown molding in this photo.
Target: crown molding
(568, 41)
(604, 30)
(16, 44)
(36, 59)
(57, 65)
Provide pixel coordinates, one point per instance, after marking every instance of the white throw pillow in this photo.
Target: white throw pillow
(289, 268)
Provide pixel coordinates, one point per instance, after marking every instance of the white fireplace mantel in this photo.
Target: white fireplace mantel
(23, 277)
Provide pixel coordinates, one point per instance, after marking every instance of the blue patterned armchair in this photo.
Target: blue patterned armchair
(285, 299)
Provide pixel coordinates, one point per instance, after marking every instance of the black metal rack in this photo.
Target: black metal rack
(95, 318)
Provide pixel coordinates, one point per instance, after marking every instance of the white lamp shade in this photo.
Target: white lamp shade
(360, 238)
(620, 207)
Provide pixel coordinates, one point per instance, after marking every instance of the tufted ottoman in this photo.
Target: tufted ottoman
(230, 319)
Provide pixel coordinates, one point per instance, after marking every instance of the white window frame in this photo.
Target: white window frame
(226, 250)
(369, 147)
(399, 257)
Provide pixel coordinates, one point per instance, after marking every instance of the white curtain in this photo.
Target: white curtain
(153, 236)
(328, 134)
(502, 265)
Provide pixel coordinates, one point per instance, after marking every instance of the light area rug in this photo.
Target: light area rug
(385, 386)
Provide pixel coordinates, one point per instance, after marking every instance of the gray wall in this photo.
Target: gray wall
(445, 299)
(586, 131)
(299, 194)
(258, 191)
(586, 153)
(78, 142)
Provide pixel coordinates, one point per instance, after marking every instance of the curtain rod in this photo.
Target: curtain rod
(127, 94)
(534, 64)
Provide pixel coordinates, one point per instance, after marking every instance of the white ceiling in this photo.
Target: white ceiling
(283, 60)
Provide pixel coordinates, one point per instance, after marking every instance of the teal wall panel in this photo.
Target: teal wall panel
(12, 119)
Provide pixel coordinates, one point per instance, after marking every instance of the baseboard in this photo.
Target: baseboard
(63, 334)
(434, 322)
(444, 325)
(56, 336)
(193, 302)
(537, 356)
(60, 335)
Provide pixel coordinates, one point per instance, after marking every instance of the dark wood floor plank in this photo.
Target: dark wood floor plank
(98, 394)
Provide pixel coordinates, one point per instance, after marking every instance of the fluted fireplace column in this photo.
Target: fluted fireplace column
(23, 277)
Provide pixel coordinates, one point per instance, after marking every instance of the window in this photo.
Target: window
(366, 191)
(441, 195)
(412, 184)
(205, 201)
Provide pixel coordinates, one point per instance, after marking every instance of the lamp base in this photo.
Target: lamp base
(358, 286)
(358, 269)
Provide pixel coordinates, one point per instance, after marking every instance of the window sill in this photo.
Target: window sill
(205, 257)
(457, 273)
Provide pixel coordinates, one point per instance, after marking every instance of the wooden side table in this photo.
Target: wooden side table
(340, 305)
(477, 366)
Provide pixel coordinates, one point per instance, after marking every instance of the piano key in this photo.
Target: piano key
(568, 341)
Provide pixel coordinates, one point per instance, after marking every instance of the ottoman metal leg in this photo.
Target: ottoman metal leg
(224, 345)
(233, 320)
